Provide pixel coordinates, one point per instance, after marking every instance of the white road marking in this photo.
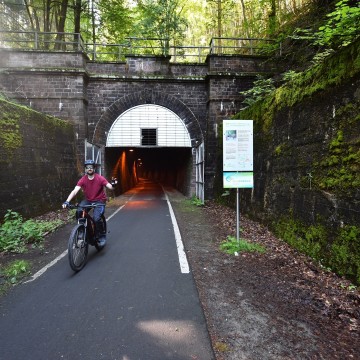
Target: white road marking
(184, 265)
(46, 267)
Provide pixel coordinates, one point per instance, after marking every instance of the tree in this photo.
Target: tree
(116, 20)
(162, 19)
(221, 12)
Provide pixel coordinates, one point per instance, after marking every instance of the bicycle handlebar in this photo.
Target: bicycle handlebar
(76, 206)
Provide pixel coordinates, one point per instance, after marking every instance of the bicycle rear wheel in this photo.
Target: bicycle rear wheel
(77, 248)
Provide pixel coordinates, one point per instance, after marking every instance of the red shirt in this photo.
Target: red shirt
(93, 189)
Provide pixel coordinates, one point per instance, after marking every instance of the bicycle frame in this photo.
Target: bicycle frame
(89, 223)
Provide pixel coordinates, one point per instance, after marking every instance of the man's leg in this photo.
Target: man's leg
(98, 211)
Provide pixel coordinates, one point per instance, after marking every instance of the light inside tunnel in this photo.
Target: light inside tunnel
(169, 166)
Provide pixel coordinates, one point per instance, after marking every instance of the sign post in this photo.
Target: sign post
(238, 158)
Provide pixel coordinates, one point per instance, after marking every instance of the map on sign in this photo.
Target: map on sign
(238, 145)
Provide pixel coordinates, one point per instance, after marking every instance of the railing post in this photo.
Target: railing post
(174, 54)
(78, 41)
(36, 39)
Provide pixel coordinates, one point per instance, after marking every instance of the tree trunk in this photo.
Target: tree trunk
(272, 17)
(61, 26)
(77, 19)
(246, 25)
(219, 18)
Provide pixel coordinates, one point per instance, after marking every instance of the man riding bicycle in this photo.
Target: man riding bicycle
(93, 185)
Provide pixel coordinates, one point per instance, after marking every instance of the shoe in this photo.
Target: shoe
(102, 241)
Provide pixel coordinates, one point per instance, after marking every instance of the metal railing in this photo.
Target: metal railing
(51, 41)
(243, 46)
(132, 46)
(34, 40)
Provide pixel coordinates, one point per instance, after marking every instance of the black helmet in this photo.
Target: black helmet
(90, 162)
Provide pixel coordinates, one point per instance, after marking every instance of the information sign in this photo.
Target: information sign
(238, 145)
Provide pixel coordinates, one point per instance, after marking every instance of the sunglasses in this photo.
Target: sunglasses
(89, 167)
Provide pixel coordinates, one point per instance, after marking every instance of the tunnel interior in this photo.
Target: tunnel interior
(170, 166)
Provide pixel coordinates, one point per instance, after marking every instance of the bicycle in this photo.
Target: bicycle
(82, 235)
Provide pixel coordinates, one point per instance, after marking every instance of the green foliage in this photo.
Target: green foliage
(163, 20)
(15, 233)
(115, 21)
(232, 246)
(342, 26)
(330, 73)
(261, 88)
(320, 57)
(196, 201)
(290, 75)
(15, 271)
(340, 30)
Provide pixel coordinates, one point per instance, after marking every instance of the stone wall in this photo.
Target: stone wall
(37, 161)
(305, 153)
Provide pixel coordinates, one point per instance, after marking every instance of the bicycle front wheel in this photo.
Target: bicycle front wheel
(78, 248)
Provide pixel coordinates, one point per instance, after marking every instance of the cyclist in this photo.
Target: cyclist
(93, 185)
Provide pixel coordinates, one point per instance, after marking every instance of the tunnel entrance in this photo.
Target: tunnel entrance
(150, 141)
(169, 166)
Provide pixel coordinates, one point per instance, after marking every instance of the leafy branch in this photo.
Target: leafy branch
(261, 88)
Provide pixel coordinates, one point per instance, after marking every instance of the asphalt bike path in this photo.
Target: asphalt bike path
(135, 299)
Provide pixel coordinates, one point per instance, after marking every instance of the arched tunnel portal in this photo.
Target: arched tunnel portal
(150, 141)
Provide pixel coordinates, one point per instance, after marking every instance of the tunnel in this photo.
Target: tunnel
(151, 141)
(170, 166)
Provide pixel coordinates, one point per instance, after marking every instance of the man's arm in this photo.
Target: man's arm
(72, 195)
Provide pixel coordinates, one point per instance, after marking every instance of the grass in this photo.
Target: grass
(233, 246)
(15, 271)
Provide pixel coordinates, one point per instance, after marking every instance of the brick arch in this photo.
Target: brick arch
(147, 97)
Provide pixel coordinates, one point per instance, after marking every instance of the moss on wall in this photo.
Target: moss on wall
(37, 159)
(10, 137)
(307, 162)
